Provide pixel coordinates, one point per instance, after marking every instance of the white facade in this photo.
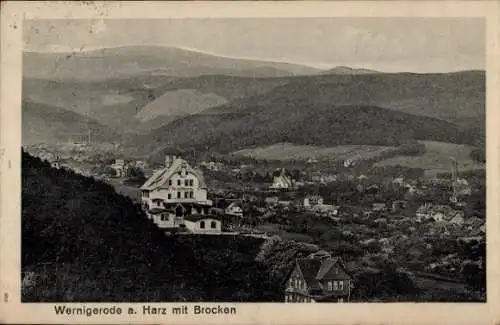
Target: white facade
(165, 220)
(174, 193)
(177, 183)
(206, 226)
(119, 167)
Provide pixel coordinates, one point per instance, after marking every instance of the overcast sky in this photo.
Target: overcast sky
(386, 44)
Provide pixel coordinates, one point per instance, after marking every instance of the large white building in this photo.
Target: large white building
(176, 194)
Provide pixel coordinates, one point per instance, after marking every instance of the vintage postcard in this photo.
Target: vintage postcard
(250, 162)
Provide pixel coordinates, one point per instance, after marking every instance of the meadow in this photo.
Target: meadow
(288, 151)
(436, 159)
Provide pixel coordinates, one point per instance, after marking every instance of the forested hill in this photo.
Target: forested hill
(81, 241)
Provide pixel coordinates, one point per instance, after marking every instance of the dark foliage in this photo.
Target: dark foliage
(85, 242)
(302, 123)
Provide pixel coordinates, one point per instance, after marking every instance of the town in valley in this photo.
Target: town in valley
(245, 181)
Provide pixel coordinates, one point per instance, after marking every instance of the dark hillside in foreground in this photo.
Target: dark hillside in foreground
(79, 235)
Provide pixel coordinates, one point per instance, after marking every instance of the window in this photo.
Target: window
(186, 195)
(145, 194)
(202, 225)
(169, 196)
(341, 285)
(169, 182)
(178, 182)
(335, 285)
(186, 182)
(329, 285)
(213, 225)
(164, 217)
(158, 203)
(191, 182)
(178, 195)
(191, 194)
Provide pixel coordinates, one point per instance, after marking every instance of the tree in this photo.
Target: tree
(478, 155)
(135, 174)
(475, 276)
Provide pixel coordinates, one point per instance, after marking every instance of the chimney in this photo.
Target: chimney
(168, 161)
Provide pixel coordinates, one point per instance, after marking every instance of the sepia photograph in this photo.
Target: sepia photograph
(254, 160)
(247, 162)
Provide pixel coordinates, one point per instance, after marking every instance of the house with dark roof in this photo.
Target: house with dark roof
(234, 209)
(318, 279)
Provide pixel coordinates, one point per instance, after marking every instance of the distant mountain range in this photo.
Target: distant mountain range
(168, 61)
(349, 71)
(168, 97)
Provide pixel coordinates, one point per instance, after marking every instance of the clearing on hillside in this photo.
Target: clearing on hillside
(288, 151)
(436, 159)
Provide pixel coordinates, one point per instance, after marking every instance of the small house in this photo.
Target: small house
(282, 181)
(379, 207)
(234, 209)
(271, 200)
(205, 225)
(313, 200)
(318, 279)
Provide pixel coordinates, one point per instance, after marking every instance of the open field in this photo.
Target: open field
(288, 151)
(436, 159)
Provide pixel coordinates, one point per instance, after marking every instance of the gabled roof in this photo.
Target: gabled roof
(162, 176)
(326, 266)
(309, 268)
(313, 270)
(233, 204)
